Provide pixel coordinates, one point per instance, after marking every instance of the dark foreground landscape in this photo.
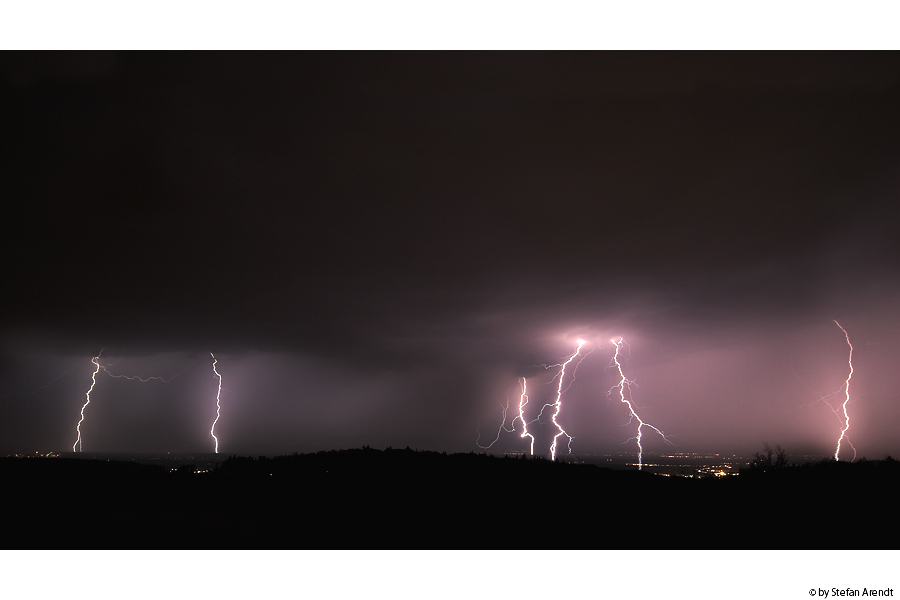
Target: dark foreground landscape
(407, 499)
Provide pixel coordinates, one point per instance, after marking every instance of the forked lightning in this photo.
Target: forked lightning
(624, 383)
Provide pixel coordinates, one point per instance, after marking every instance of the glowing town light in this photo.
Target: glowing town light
(624, 383)
(558, 403)
(212, 430)
(77, 444)
(846, 420)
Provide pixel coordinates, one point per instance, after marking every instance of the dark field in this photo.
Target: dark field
(406, 499)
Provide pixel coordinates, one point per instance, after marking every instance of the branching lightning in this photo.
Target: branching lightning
(212, 430)
(558, 403)
(144, 379)
(523, 400)
(624, 383)
(49, 383)
(96, 361)
(500, 429)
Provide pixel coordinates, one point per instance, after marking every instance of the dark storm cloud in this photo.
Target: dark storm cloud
(433, 224)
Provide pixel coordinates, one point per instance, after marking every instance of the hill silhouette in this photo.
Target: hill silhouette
(371, 499)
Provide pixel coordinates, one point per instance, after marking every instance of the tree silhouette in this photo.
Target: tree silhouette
(769, 459)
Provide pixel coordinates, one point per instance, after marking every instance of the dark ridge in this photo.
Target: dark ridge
(370, 499)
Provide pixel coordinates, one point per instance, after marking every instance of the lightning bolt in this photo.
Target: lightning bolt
(846, 419)
(558, 403)
(624, 383)
(96, 361)
(523, 400)
(212, 430)
(828, 400)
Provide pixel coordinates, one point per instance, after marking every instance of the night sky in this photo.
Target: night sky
(378, 245)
